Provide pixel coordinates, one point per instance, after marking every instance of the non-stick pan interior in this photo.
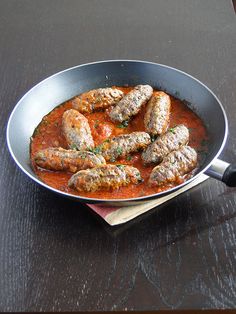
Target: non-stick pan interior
(64, 85)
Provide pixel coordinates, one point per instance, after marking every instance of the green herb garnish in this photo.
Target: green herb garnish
(83, 156)
(112, 159)
(73, 146)
(129, 157)
(96, 150)
(123, 125)
(119, 151)
(96, 124)
(172, 130)
(120, 166)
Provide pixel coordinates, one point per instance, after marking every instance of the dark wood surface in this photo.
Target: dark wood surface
(54, 253)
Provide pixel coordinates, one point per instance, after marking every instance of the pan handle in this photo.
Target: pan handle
(223, 171)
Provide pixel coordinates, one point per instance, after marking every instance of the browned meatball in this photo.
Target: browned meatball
(76, 130)
(122, 145)
(57, 158)
(173, 166)
(104, 178)
(97, 99)
(173, 139)
(157, 116)
(131, 103)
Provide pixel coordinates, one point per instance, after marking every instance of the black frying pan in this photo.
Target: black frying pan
(62, 86)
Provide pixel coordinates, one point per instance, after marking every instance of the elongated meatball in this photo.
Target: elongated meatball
(76, 130)
(131, 103)
(97, 99)
(173, 166)
(104, 178)
(173, 139)
(122, 145)
(57, 158)
(157, 116)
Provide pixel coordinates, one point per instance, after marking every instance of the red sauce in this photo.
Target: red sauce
(48, 134)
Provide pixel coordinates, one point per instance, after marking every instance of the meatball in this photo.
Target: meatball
(131, 103)
(76, 130)
(173, 139)
(173, 166)
(122, 145)
(157, 116)
(107, 177)
(57, 158)
(97, 99)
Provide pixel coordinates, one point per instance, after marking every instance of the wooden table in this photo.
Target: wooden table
(54, 253)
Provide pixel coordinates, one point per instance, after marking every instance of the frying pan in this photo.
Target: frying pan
(64, 85)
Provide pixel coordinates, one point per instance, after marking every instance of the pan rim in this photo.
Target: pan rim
(141, 198)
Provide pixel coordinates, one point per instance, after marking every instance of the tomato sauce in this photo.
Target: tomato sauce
(48, 134)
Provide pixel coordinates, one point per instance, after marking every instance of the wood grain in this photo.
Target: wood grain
(57, 256)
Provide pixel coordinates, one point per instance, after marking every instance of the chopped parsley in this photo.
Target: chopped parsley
(119, 151)
(107, 140)
(123, 125)
(83, 156)
(172, 130)
(112, 159)
(96, 124)
(96, 150)
(129, 157)
(73, 146)
(120, 166)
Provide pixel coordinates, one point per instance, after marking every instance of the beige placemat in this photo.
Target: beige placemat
(119, 215)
